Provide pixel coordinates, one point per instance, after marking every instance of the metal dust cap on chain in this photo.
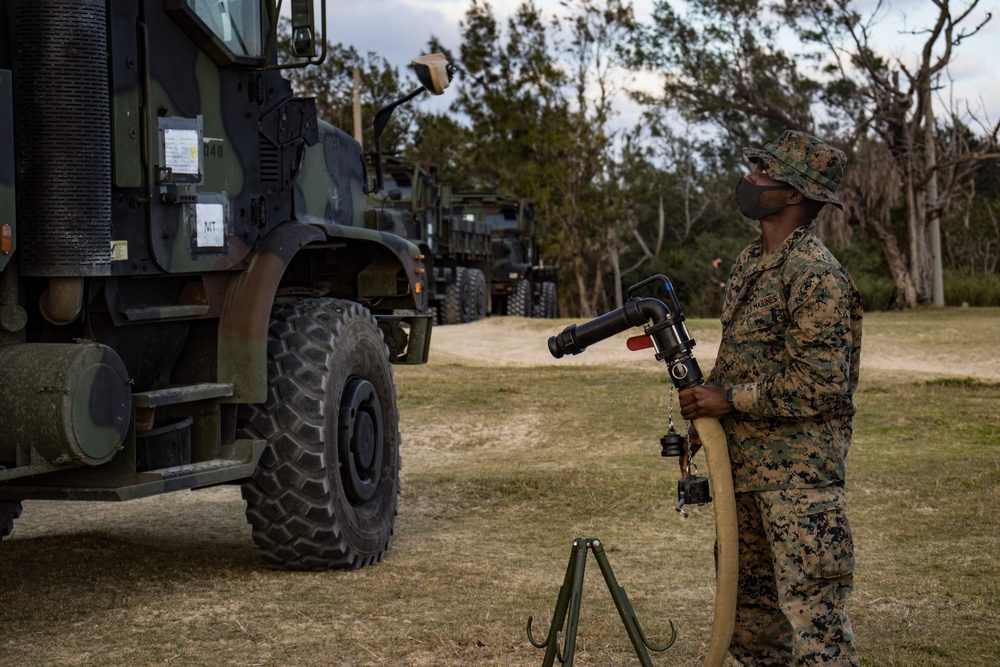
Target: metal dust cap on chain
(810, 165)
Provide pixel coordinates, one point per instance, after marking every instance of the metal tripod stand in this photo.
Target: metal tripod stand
(569, 599)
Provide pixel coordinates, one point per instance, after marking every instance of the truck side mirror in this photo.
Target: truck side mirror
(433, 72)
(303, 29)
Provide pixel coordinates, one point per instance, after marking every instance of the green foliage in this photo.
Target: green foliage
(435, 141)
(722, 65)
(877, 292)
(972, 289)
(871, 275)
(861, 257)
(509, 90)
(867, 267)
(971, 230)
(692, 271)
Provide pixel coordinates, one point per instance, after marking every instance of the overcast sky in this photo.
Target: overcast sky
(400, 29)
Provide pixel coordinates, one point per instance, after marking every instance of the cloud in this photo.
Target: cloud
(397, 30)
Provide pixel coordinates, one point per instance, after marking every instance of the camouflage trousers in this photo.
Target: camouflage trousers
(795, 576)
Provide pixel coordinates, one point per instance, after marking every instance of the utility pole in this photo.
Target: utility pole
(357, 105)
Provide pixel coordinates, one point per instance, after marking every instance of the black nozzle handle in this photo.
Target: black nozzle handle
(575, 338)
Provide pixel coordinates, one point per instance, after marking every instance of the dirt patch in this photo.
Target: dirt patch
(517, 342)
(882, 353)
(514, 341)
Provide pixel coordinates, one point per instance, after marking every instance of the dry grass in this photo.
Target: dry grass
(506, 463)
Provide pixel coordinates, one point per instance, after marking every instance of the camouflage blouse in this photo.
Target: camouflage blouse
(791, 344)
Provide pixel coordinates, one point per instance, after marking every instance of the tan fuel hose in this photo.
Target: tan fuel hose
(720, 473)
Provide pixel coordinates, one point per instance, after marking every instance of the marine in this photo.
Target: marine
(783, 388)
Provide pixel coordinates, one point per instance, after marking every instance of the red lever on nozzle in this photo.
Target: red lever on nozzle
(636, 343)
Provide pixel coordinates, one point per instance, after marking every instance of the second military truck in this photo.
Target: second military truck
(482, 248)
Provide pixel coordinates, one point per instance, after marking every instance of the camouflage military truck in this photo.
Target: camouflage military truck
(188, 293)
(482, 248)
(519, 284)
(416, 205)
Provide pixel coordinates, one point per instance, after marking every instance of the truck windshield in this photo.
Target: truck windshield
(505, 218)
(235, 22)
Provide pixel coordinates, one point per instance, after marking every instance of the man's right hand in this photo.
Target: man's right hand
(704, 400)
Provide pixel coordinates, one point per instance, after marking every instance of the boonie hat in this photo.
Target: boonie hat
(810, 165)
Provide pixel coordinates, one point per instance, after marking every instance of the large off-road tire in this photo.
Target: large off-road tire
(324, 492)
(9, 510)
(548, 301)
(519, 302)
(458, 299)
(480, 298)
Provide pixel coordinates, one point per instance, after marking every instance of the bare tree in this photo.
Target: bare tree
(895, 102)
(596, 26)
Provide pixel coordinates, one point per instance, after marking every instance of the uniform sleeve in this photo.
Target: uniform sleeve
(816, 379)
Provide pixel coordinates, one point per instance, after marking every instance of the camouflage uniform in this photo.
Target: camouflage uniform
(790, 352)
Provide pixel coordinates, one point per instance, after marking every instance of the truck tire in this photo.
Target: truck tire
(458, 299)
(519, 303)
(548, 303)
(9, 510)
(480, 304)
(325, 490)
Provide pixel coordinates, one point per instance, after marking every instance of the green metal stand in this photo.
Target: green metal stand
(569, 599)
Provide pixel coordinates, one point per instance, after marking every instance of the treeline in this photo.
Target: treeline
(535, 107)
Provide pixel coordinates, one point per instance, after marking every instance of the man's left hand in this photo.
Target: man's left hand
(704, 401)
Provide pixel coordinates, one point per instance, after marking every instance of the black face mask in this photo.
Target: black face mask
(747, 194)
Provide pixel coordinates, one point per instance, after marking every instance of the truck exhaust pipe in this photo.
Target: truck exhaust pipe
(62, 301)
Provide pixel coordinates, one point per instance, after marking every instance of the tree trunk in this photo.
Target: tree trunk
(932, 206)
(872, 189)
(912, 223)
(616, 269)
(906, 288)
(581, 286)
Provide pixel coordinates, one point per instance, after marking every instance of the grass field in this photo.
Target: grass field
(504, 466)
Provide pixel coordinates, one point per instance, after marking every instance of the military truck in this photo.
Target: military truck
(416, 204)
(189, 295)
(482, 248)
(520, 284)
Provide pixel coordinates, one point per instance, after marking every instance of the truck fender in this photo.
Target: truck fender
(246, 315)
(243, 324)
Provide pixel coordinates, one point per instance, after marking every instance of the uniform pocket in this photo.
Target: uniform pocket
(764, 326)
(824, 533)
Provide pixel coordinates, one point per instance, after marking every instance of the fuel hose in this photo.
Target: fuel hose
(713, 441)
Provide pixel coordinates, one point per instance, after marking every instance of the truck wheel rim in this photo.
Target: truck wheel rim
(361, 437)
